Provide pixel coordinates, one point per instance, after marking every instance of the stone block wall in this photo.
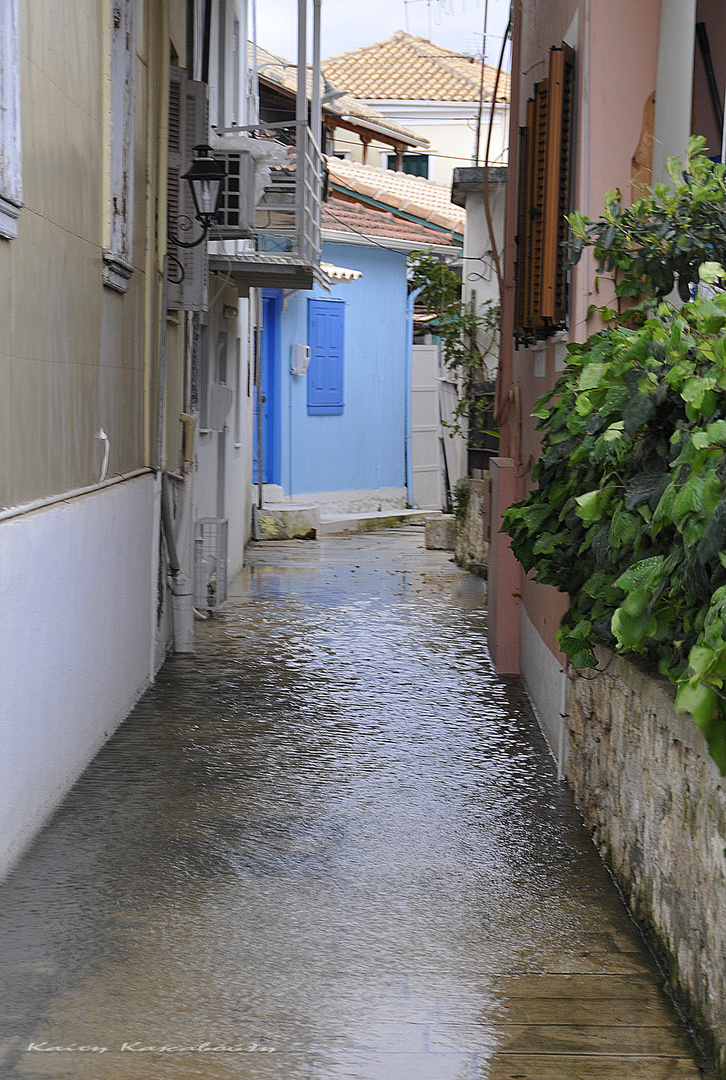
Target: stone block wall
(472, 547)
(655, 803)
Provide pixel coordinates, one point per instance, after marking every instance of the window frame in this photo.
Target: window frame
(117, 257)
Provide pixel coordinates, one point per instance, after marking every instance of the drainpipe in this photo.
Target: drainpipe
(407, 451)
(315, 104)
(182, 601)
(301, 117)
(155, 310)
(258, 396)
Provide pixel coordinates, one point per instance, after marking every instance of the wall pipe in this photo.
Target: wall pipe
(54, 500)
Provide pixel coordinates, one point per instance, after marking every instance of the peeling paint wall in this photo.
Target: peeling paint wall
(656, 805)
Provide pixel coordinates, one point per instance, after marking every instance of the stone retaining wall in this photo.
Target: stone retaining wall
(656, 804)
(472, 548)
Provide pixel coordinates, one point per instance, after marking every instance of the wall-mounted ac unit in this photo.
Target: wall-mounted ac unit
(236, 216)
(210, 563)
(247, 162)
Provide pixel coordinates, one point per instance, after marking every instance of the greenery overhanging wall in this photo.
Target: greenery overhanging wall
(628, 511)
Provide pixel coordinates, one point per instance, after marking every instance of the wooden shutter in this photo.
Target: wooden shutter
(325, 371)
(123, 90)
(544, 201)
(188, 127)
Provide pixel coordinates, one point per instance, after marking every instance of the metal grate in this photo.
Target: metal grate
(237, 204)
(210, 563)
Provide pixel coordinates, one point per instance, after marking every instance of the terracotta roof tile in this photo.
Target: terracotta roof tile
(400, 191)
(411, 68)
(341, 216)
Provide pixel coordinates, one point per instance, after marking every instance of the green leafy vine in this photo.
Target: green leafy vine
(628, 511)
(467, 338)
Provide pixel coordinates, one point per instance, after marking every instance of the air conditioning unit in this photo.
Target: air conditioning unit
(210, 563)
(236, 216)
(247, 163)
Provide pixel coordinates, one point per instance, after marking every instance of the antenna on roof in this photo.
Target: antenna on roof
(481, 87)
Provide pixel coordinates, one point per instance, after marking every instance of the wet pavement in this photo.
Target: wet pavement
(330, 846)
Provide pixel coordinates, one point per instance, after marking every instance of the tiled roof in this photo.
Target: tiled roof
(407, 194)
(341, 216)
(413, 69)
(277, 71)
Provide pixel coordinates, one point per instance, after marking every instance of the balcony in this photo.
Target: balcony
(267, 234)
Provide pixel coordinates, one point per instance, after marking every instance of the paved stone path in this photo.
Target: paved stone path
(331, 846)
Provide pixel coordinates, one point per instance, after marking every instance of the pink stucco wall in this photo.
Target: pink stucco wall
(616, 45)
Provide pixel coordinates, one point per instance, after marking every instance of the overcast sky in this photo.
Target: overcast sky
(348, 24)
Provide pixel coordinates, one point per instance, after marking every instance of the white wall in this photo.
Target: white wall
(75, 643)
(674, 86)
(452, 140)
(547, 686)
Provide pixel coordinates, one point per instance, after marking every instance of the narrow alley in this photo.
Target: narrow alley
(330, 845)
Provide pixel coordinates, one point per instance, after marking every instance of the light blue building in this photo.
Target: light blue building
(338, 434)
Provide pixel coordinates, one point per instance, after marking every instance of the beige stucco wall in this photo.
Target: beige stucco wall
(75, 356)
(451, 144)
(656, 805)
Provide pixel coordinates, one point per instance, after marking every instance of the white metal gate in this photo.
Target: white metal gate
(425, 428)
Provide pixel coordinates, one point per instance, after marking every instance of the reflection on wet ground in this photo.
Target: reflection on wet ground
(330, 845)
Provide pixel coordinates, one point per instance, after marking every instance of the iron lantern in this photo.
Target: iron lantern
(205, 177)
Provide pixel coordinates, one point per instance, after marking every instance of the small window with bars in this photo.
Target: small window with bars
(545, 173)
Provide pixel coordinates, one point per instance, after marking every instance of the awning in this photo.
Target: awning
(340, 273)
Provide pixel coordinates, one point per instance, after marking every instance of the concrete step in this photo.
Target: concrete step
(340, 524)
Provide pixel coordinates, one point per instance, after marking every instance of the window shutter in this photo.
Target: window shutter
(538, 181)
(544, 201)
(188, 126)
(325, 371)
(524, 234)
(11, 186)
(558, 172)
(123, 87)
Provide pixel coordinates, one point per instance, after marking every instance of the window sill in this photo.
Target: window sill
(116, 273)
(9, 214)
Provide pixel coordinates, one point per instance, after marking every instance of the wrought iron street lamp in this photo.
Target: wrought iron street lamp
(205, 176)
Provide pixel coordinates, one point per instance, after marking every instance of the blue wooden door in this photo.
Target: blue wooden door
(266, 408)
(325, 373)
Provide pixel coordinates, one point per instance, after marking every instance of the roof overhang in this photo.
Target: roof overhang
(378, 131)
(360, 125)
(398, 211)
(255, 271)
(340, 273)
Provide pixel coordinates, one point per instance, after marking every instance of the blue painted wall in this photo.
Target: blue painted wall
(364, 446)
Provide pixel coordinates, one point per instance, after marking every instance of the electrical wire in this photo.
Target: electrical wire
(501, 157)
(366, 236)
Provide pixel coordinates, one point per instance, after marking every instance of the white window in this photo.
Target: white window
(117, 257)
(11, 185)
